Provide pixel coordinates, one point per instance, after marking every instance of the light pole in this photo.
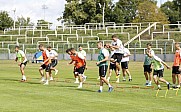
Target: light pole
(103, 8)
(14, 18)
(44, 7)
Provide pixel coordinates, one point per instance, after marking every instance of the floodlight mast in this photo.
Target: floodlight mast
(44, 7)
(14, 11)
(103, 9)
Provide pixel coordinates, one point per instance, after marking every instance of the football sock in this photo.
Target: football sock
(167, 82)
(76, 79)
(159, 86)
(101, 88)
(109, 85)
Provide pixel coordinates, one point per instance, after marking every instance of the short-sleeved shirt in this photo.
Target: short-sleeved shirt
(53, 54)
(126, 52)
(20, 55)
(83, 53)
(102, 54)
(157, 63)
(177, 58)
(79, 60)
(147, 60)
(120, 44)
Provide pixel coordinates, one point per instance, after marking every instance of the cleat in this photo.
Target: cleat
(124, 80)
(117, 81)
(99, 91)
(117, 76)
(98, 78)
(149, 84)
(79, 86)
(42, 80)
(76, 82)
(130, 80)
(51, 78)
(84, 78)
(46, 83)
(146, 84)
(159, 88)
(56, 72)
(110, 89)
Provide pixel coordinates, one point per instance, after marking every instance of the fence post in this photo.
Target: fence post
(165, 51)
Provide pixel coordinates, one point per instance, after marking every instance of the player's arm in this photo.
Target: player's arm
(106, 55)
(72, 62)
(49, 58)
(168, 67)
(16, 59)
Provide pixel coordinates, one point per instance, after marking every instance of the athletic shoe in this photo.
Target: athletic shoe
(45, 83)
(56, 72)
(98, 78)
(148, 84)
(42, 80)
(76, 82)
(51, 78)
(130, 80)
(110, 89)
(117, 76)
(23, 80)
(168, 86)
(159, 88)
(84, 78)
(117, 81)
(124, 80)
(99, 91)
(79, 86)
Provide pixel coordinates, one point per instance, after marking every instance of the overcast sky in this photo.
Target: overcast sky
(33, 8)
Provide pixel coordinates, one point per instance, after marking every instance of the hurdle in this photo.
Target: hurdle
(166, 93)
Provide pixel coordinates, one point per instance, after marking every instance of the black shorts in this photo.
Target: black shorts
(25, 63)
(147, 68)
(124, 65)
(117, 56)
(54, 62)
(103, 70)
(79, 70)
(112, 66)
(175, 70)
(46, 67)
(158, 73)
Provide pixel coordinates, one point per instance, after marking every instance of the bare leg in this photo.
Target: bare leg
(80, 80)
(174, 79)
(150, 76)
(22, 71)
(146, 75)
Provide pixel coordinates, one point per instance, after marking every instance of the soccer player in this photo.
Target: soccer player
(112, 65)
(85, 66)
(158, 66)
(148, 66)
(103, 65)
(118, 54)
(54, 59)
(46, 64)
(79, 62)
(21, 58)
(176, 66)
(124, 64)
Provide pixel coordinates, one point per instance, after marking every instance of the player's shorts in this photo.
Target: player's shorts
(175, 70)
(25, 63)
(46, 67)
(112, 66)
(79, 70)
(118, 57)
(103, 70)
(158, 73)
(147, 68)
(54, 62)
(124, 65)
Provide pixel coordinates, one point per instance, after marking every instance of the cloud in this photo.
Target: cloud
(33, 9)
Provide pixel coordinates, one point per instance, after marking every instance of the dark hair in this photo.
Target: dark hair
(68, 50)
(114, 36)
(149, 44)
(80, 46)
(100, 42)
(17, 46)
(49, 47)
(71, 49)
(41, 45)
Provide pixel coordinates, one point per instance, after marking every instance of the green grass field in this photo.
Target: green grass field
(62, 94)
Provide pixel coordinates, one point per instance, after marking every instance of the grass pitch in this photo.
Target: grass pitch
(62, 94)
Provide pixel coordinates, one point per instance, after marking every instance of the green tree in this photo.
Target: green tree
(5, 20)
(21, 21)
(171, 11)
(149, 12)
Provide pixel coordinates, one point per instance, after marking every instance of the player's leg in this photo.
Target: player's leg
(42, 67)
(160, 75)
(156, 81)
(117, 75)
(150, 78)
(124, 74)
(178, 80)
(109, 75)
(50, 75)
(22, 67)
(54, 64)
(83, 74)
(80, 80)
(146, 71)
(47, 71)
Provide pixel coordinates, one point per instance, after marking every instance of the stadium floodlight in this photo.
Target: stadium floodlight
(14, 11)
(44, 7)
(103, 9)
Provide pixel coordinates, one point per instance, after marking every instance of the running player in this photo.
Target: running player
(147, 65)
(79, 62)
(124, 64)
(118, 54)
(46, 64)
(85, 66)
(103, 65)
(21, 58)
(54, 59)
(158, 66)
(176, 66)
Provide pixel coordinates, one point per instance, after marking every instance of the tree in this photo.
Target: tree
(149, 12)
(24, 21)
(5, 20)
(171, 11)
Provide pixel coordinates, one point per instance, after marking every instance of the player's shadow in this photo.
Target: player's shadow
(88, 90)
(13, 80)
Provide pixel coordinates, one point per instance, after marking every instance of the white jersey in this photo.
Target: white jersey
(53, 54)
(112, 53)
(83, 53)
(126, 52)
(120, 44)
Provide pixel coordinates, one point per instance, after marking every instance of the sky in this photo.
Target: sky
(33, 9)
